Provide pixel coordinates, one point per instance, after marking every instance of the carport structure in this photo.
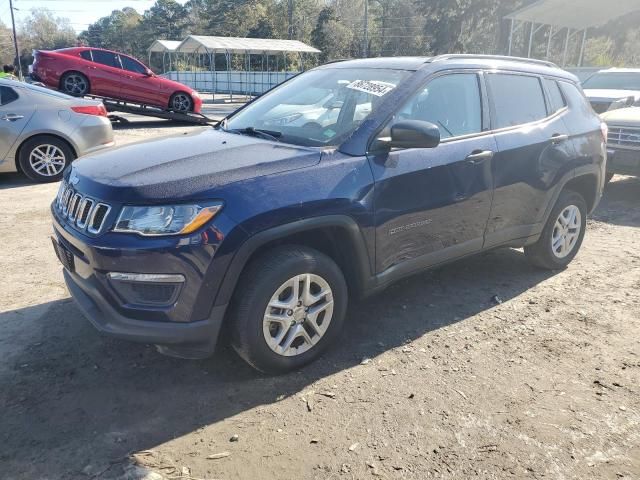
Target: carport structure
(234, 65)
(572, 18)
(167, 48)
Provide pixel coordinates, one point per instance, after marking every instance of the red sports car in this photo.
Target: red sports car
(92, 71)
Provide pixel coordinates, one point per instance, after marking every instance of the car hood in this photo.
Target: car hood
(189, 166)
(599, 94)
(623, 116)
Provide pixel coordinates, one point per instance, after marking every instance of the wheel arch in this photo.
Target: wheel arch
(587, 186)
(337, 236)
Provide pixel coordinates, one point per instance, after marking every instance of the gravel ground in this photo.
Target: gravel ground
(433, 378)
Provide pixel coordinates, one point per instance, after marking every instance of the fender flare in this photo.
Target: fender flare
(361, 262)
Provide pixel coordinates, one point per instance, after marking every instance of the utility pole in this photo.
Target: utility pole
(290, 16)
(15, 39)
(365, 49)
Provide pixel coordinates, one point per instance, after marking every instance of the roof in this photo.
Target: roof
(162, 46)
(243, 45)
(577, 14)
(443, 62)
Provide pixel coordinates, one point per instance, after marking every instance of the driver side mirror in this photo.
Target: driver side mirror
(149, 73)
(410, 134)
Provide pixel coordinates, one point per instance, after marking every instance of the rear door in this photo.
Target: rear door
(534, 154)
(16, 109)
(105, 75)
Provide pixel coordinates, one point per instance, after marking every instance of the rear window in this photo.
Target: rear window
(86, 54)
(7, 95)
(555, 95)
(105, 58)
(517, 99)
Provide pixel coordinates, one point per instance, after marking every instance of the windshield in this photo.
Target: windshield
(614, 81)
(318, 108)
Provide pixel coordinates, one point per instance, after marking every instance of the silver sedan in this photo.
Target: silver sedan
(42, 131)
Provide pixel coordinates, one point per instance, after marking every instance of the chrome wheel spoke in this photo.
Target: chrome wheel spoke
(566, 231)
(298, 314)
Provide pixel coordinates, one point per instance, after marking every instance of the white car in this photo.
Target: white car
(613, 88)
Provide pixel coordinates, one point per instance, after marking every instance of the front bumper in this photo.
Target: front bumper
(185, 340)
(623, 161)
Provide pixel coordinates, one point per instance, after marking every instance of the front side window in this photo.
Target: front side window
(452, 102)
(517, 99)
(614, 81)
(132, 65)
(105, 58)
(318, 108)
(7, 95)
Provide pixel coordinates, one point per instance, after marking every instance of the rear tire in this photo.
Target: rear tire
(181, 102)
(44, 158)
(75, 84)
(562, 235)
(285, 337)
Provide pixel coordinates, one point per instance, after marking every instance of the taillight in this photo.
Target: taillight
(604, 128)
(98, 110)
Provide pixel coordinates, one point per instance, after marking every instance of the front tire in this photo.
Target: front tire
(44, 158)
(289, 307)
(181, 102)
(562, 235)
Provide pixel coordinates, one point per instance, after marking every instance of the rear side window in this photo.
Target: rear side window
(7, 95)
(555, 95)
(132, 65)
(517, 99)
(105, 58)
(86, 54)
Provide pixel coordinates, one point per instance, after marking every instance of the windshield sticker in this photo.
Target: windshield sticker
(374, 87)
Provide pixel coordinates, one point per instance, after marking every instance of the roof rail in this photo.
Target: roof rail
(464, 56)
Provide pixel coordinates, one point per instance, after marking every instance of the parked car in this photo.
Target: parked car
(623, 143)
(82, 71)
(42, 131)
(272, 231)
(613, 88)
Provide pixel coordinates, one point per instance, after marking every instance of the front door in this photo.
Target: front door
(16, 109)
(137, 86)
(432, 205)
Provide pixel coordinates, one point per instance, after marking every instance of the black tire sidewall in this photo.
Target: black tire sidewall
(253, 346)
(30, 145)
(566, 199)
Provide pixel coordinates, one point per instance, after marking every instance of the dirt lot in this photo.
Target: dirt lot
(432, 378)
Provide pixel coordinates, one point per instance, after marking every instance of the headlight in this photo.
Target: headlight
(165, 220)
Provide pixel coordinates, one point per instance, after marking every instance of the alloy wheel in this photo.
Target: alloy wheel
(566, 231)
(47, 160)
(298, 315)
(181, 102)
(75, 84)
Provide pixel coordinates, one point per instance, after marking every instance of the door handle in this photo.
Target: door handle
(559, 138)
(11, 117)
(478, 156)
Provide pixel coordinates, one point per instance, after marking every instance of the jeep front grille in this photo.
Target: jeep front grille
(627, 137)
(84, 213)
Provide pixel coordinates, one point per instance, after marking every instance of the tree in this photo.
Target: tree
(43, 31)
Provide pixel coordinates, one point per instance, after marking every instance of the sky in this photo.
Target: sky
(81, 13)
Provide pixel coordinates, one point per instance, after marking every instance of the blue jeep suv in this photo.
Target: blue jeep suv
(332, 185)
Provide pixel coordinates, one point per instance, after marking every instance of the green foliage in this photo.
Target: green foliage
(336, 27)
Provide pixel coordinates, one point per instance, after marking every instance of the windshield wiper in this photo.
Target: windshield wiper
(258, 132)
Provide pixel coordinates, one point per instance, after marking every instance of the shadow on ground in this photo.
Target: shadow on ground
(75, 395)
(620, 203)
